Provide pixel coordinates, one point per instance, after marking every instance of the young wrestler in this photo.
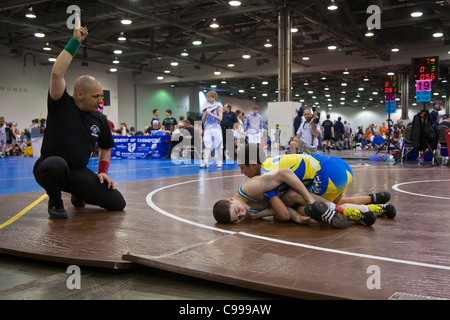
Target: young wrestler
(323, 175)
(260, 193)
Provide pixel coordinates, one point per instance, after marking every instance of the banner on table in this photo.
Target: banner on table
(140, 147)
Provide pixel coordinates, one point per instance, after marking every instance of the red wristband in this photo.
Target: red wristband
(103, 166)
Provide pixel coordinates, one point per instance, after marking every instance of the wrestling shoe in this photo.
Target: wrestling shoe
(366, 218)
(77, 203)
(204, 165)
(321, 212)
(380, 197)
(56, 209)
(381, 210)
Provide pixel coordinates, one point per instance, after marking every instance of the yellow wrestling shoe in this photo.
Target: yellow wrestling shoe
(365, 218)
(381, 210)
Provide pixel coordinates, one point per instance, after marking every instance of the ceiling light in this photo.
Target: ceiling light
(294, 29)
(395, 49)
(117, 51)
(369, 33)
(234, 3)
(416, 14)
(160, 77)
(197, 42)
(217, 72)
(116, 61)
(305, 58)
(231, 65)
(122, 37)
(174, 63)
(39, 35)
(126, 21)
(30, 14)
(332, 47)
(267, 44)
(332, 6)
(47, 47)
(246, 56)
(214, 24)
(113, 70)
(52, 59)
(437, 34)
(184, 53)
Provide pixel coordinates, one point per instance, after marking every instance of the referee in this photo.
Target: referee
(74, 127)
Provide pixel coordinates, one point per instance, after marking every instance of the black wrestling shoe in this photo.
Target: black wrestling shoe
(56, 210)
(77, 203)
(380, 197)
(321, 212)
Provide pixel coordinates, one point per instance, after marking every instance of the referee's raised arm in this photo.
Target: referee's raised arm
(57, 81)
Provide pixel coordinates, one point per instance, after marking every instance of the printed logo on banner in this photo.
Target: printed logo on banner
(131, 147)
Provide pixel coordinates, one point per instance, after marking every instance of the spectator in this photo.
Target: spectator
(383, 130)
(169, 123)
(212, 136)
(327, 132)
(339, 132)
(239, 131)
(445, 121)
(347, 134)
(298, 119)
(229, 122)
(155, 117)
(253, 126)
(378, 140)
(306, 139)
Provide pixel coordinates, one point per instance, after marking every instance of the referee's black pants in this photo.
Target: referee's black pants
(54, 175)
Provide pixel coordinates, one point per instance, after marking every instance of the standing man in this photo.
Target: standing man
(307, 135)
(229, 122)
(327, 131)
(339, 131)
(74, 126)
(169, 122)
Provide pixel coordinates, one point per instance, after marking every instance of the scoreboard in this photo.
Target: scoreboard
(426, 68)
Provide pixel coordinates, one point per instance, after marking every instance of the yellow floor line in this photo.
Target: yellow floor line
(21, 213)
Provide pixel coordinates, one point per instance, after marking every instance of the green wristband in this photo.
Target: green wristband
(73, 46)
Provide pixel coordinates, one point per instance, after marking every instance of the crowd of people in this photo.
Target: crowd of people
(15, 142)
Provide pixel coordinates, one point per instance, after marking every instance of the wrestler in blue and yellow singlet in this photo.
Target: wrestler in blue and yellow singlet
(323, 175)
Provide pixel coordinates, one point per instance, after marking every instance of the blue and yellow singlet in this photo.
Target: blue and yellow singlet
(323, 175)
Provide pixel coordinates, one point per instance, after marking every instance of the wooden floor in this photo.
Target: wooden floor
(166, 244)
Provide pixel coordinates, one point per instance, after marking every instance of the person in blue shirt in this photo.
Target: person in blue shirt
(378, 141)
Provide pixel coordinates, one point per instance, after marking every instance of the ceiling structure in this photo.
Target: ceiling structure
(161, 30)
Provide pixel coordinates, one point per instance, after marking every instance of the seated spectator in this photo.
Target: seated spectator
(378, 141)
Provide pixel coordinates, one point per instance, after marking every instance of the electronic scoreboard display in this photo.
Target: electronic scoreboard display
(426, 68)
(389, 85)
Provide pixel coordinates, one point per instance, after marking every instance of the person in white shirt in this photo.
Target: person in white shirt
(307, 135)
(253, 126)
